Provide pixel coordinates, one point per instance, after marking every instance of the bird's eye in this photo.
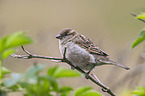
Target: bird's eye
(65, 34)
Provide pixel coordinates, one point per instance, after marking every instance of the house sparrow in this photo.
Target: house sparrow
(82, 52)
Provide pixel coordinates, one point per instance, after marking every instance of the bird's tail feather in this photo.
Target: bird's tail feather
(122, 66)
(115, 63)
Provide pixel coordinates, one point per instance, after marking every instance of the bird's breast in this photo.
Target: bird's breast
(77, 55)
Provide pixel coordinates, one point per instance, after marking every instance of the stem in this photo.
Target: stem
(1, 60)
(0, 73)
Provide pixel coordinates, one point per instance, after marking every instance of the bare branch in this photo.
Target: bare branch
(97, 79)
(93, 78)
(26, 51)
(34, 56)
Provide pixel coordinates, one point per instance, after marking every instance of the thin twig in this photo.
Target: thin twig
(132, 13)
(97, 79)
(26, 51)
(64, 59)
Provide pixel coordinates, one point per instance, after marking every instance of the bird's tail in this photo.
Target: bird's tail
(122, 66)
(115, 63)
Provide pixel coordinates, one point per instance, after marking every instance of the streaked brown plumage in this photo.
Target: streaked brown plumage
(82, 52)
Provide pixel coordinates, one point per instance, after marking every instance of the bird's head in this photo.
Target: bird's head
(66, 33)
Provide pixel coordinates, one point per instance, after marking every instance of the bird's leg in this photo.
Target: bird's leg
(64, 54)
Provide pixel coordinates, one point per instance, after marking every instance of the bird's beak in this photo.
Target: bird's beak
(59, 36)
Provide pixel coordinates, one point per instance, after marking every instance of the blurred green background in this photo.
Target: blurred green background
(107, 22)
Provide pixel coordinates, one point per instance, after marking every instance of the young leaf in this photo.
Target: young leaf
(51, 71)
(59, 72)
(4, 71)
(52, 81)
(139, 39)
(67, 73)
(15, 78)
(139, 92)
(142, 33)
(2, 45)
(141, 16)
(81, 90)
(17, 39)
(8, 52)
(65, 91)
(91, 93)
(86, 91)
(45, 86)
(33, 71)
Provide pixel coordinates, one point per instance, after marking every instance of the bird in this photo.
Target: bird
(82, 52)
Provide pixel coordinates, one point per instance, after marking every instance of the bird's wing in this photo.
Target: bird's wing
(87, 44)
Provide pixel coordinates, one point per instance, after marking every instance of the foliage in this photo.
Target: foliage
(59, 72)
(7, 45)
(32, 83)
(85, 91)
(140, 91)
(141, 16)
(139, 39)
(142, 33)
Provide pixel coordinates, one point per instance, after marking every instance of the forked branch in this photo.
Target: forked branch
(93, 78)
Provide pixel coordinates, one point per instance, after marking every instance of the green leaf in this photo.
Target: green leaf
(141, 16)
(91, 93)
(81, 90)
(59, 72)
(45, 86)
(33, 71)
(142, 33)
(8, 52)
(85, 91)
(139, 39)
(15, 78)
(67, 73)
(17, 39)
(1, 45)
(52, 81)
(139, 92)
(65, 90)
(41, 88)
(4, 71)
